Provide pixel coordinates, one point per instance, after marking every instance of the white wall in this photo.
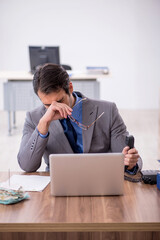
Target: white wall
(122, 34)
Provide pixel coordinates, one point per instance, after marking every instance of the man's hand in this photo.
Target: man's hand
(54, 112)
(130, 157)
(57, 111)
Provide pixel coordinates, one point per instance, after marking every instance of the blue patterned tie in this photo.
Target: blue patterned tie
(71, 135)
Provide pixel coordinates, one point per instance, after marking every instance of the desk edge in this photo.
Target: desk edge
(79, 227)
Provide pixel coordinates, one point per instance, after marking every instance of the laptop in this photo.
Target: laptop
(87, 174)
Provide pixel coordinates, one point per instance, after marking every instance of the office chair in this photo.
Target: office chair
(66, 67)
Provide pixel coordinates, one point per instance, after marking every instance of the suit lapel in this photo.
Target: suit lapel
(56, 130)
(89, 114)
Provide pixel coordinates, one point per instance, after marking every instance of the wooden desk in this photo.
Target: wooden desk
(135, 215)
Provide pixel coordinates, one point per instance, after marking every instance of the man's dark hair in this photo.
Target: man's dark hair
(50, 78)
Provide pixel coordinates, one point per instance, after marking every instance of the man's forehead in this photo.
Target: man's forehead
(53, 96)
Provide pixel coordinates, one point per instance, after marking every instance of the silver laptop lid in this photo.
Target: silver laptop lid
(87, 174)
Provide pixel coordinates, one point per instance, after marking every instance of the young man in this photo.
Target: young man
(68, 122)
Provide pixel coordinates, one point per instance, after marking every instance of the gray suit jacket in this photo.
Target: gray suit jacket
(106, 135)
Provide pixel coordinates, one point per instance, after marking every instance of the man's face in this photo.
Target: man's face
(60, 96)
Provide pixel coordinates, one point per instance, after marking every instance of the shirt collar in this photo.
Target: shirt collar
(77, 110)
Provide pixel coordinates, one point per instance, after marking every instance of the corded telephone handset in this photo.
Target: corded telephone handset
(147, 176)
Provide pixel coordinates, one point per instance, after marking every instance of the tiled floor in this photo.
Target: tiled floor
(142, 124)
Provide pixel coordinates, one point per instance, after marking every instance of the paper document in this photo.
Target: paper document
(27, 182)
